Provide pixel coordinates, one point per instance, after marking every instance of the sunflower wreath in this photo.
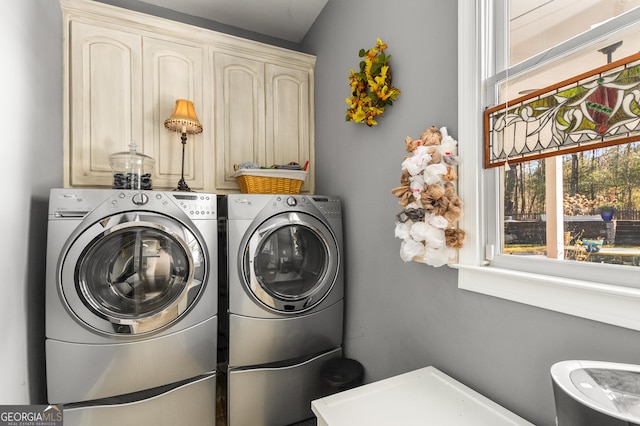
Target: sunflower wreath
(371, 89)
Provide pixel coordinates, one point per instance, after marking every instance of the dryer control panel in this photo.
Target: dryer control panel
(251, 206)
(329, 206)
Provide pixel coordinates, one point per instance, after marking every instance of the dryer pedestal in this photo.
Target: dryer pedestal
(275, 395)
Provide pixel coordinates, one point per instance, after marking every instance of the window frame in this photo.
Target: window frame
(595, 293)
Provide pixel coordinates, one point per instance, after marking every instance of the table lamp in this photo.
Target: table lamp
(184, 121)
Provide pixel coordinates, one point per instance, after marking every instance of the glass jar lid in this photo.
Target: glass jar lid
(131, 162)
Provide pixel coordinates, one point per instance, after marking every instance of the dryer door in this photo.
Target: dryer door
(132, 273)
(290, 262)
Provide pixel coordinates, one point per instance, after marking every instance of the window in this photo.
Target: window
(587, 127)
(603, 292)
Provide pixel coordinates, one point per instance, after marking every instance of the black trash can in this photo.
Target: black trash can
(339, 374)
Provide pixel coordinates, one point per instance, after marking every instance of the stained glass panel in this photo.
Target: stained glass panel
(596, 109)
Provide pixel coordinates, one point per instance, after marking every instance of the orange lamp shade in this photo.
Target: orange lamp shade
(184, 118)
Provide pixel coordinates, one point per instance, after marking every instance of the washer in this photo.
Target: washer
(131, 306)
(285, 303)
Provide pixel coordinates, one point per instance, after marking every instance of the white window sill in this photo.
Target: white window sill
(616, 305)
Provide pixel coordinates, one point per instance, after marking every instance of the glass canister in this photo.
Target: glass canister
(131, 169)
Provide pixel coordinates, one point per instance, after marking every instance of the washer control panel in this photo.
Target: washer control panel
(75, 204)
(140, 199)
(196, 205)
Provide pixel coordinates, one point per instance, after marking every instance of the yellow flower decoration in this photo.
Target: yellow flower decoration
(371, 89)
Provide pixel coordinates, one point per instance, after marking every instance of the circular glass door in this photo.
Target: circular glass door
(133, 277)
(290, 262)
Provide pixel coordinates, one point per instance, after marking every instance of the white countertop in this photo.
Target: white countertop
(421, 397)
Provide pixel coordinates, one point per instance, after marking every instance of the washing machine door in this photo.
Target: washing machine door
(290, 262)
(132, 273)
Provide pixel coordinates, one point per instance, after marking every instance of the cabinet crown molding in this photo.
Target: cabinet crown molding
(88, 10)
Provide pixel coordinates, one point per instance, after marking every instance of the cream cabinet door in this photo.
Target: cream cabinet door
(105, 101)
(239, 117)
(176, 70)
(287, 117)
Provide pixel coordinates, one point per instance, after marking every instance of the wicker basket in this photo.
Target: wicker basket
(270, 181)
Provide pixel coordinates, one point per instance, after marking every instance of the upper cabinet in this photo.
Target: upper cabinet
(105, 101)
(288, 120)
(262, 113)
(175, 69)
(125, 71)
(239, 95)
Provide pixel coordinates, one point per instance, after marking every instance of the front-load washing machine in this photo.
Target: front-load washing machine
(131, 306)
(284, 301)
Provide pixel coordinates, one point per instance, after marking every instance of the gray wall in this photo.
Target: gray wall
(403, 316)
(31, 110)
(400, 316)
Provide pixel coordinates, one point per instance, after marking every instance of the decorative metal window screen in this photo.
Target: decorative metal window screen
(595, 109)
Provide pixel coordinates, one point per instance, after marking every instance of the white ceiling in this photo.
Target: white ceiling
(284, 19)
(536, 25)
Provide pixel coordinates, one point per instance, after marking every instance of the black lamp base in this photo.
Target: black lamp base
(182, 186)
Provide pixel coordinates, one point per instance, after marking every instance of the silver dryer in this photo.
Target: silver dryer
(285, 303)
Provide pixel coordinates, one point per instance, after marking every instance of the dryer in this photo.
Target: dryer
(131, 306)
(284, 301)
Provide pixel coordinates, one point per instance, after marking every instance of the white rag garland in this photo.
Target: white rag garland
(429, 233)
